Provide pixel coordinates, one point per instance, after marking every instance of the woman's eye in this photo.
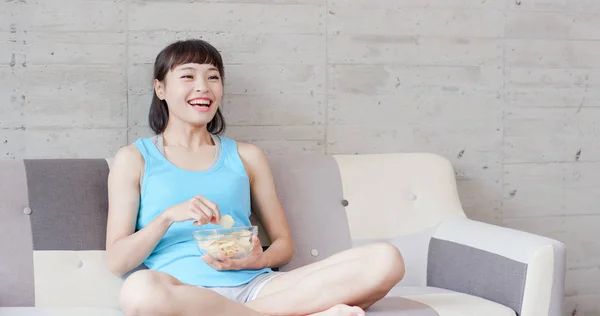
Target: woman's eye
(187, 77)
(213, 77)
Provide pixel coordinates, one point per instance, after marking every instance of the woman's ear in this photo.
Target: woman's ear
(159, 89)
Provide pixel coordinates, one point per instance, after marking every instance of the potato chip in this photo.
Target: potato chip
(227, 221)
(238, 245)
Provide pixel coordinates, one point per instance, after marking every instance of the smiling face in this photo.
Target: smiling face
(188, 87)
(193, 92)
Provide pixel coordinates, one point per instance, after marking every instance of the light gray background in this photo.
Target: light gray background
(509, 93)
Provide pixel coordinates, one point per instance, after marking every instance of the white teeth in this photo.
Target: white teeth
(200, 102)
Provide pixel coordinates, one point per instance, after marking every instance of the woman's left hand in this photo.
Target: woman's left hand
(254, 260)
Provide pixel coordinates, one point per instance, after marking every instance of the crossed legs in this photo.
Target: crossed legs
(355, 277)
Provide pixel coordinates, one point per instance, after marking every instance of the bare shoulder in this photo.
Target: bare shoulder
(130, 151)
(250, 151)
(254, 159)
(128, 161)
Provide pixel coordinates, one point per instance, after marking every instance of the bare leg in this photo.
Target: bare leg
(151, 293)
(341, 310)
(358, 276)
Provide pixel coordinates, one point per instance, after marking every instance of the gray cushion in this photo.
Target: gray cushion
(310, 190)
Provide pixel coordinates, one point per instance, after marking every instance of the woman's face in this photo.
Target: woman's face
(193, 92)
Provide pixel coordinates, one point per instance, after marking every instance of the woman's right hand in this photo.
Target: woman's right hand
(199, 209)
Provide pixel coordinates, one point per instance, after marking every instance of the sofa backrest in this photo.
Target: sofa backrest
(53, 218)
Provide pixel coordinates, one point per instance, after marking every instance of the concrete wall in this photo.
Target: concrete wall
(510, 93)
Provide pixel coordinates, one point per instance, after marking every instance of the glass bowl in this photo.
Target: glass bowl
(234, 243)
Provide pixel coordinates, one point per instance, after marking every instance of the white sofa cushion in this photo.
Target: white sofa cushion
(431, 301)
(59, 311)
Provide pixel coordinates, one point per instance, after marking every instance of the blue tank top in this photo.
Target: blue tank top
(164, 185)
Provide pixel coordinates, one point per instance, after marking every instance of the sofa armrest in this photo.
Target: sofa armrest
(520, 270)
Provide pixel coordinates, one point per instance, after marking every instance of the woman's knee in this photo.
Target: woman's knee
(145, 290)
(387, 262)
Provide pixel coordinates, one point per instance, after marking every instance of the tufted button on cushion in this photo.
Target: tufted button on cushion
(314, 252)
(79, 264)
(27, 211)
(345, 202)
(413, 197)
(310, 190)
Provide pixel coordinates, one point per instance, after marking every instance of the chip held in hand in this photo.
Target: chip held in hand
(227, 221)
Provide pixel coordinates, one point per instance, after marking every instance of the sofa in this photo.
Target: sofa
(53, 216)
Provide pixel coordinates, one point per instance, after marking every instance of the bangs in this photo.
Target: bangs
(194, 53)
(185, 52)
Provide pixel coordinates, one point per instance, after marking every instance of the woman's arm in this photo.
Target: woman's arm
(267, 206)
(125, 250)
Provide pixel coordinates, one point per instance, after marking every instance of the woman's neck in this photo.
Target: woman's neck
(187, 136)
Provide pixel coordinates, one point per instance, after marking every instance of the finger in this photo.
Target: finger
(220, 256)
(214, 220)
(228, 264)
(198, 216)
(212, 206)
(256, 244)
(218, 265)
(212, 262)
(206, 258)
(195, 212)
(204, 209)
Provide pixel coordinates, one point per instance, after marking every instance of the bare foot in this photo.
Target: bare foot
(341, 310)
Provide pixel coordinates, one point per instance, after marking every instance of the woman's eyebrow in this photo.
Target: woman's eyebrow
(186, 68)
(192, 68)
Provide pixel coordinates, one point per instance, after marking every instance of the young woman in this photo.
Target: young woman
(164, 187)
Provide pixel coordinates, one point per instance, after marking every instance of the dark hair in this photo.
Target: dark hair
(178, 53)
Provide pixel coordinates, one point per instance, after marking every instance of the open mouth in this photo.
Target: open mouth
(201, 104)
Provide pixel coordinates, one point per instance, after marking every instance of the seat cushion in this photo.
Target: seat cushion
(429, 301)
(403, 301)
(58, 311)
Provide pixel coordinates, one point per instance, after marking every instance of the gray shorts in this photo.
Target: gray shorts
(246, 292)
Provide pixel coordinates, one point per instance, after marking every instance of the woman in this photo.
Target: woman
(164, 187)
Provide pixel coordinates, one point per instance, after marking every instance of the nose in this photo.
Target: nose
(201, 85)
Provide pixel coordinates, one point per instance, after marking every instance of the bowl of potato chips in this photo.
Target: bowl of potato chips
(227, 242)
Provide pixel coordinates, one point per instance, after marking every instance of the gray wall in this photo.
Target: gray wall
(509, 93)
